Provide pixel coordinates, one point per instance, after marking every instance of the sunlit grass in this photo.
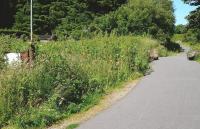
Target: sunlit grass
(70, 77)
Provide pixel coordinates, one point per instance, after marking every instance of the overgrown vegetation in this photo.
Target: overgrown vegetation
(189, 34)
(136, 17)
(69, 76)
(99, 48)
(194, 46)
(9, 44)
(73, 126)
(74, 14)
(193, 27)
(81, 18)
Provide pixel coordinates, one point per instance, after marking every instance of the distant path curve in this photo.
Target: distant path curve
(169, 98)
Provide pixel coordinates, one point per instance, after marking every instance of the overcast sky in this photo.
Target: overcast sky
(181, 11)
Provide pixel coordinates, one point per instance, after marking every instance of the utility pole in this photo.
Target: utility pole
(31, 21)
(32, 48)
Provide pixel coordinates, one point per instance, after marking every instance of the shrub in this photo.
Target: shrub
(68, 76)
(9, 44)
(139, 17)
(15, 33)
(192, 35)
(133, 17)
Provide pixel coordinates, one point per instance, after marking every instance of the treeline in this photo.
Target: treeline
(82, 18)
(191, 31)
(49, 14)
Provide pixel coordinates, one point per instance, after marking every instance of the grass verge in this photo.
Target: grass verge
(70, 77)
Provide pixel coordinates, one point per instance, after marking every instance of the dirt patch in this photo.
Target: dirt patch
(105, 103)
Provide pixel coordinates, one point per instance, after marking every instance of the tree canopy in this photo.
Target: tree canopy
(76, 18)
(136, 17)
(192, 2)
(180, 29)
(49, 14)
(193, 18)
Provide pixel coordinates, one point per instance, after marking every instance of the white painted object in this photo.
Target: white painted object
(13, 58)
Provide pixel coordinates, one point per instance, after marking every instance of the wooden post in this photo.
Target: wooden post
(31, 53)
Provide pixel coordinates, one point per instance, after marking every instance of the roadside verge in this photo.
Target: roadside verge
(108, 100)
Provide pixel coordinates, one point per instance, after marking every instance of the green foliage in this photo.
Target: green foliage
(195, 46)
(172, 46)
(22, 17)
(193, 33)
(135, 17)
(194, 19)
(192, 2)
(74, 19)
(180, 29)
(73, 14)
(68, 76)
(178, 37)
(72, 126)
(15, 33)
(9, 44)
(103, 6)
(139, 17)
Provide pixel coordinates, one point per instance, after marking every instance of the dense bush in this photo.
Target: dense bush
(193, 26)
(66, 75)
(139, 17)
(180, 29)
(135, 17)
(173, 46)
(192, 2)
(48, 14)
(78, 18)
(14, 33)
(192, 35)
(9, 44)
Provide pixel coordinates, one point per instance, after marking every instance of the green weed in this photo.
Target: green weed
(69, 77)
(72, 126)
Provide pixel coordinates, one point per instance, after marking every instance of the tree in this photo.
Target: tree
(154, 17)
(41, 17)
(180, 29)
(193, 18)
(194, 25)
(22, 16)
(192, 2)
(71, 14)
(81, 14)
(103, 6)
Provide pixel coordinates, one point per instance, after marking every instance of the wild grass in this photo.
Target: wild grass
(10, 45)
(194, 46)
(178, 37)
(69, 77)
(73, 126)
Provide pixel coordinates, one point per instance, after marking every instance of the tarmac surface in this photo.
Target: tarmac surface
(168, 98)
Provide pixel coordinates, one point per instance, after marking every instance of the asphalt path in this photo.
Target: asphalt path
(168, 98)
